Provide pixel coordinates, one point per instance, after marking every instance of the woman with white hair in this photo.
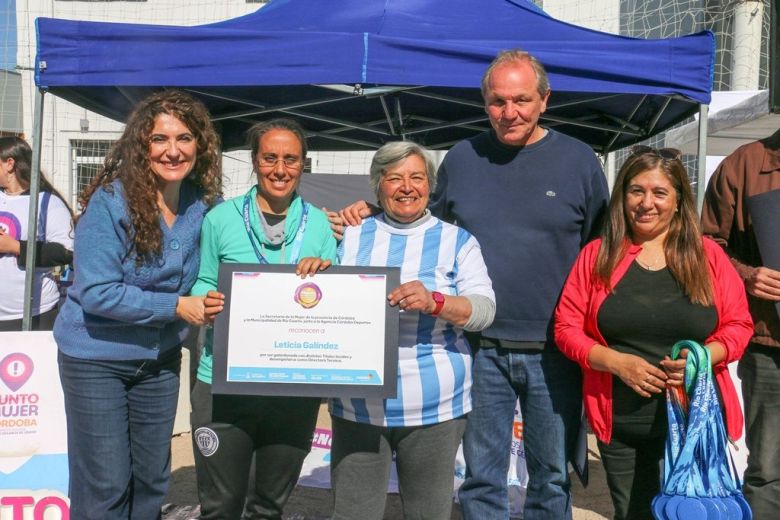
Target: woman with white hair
(444, 291)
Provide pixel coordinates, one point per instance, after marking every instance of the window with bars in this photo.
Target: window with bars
(86, 158)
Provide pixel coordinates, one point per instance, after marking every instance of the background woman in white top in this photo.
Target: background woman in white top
(54, 241)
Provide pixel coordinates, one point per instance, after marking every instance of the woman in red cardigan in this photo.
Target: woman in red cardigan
(648, 282)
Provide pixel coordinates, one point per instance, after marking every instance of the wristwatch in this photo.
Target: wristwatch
(439, 299)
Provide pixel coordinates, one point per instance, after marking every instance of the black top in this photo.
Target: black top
(645, 315)
(273, 219)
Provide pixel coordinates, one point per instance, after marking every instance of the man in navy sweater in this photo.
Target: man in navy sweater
(532, 197)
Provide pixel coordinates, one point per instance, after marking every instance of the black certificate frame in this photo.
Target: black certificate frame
(221, 342)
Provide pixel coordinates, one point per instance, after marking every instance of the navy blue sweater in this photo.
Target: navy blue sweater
(532, 209)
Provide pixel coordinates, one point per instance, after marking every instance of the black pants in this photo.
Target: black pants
(228, 431)
(759, 370)
(632, 461)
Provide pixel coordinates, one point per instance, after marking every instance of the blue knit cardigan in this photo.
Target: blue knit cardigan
(116, 310)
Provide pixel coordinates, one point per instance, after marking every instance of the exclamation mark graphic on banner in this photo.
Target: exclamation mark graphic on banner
(15, 370)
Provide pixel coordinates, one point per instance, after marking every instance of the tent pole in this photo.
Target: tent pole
(701, 160)
(609, 169)
(32, 219)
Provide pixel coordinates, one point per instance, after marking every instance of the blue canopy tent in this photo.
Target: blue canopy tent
(359, 73)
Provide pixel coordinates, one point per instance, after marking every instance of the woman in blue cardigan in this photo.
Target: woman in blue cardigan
(120, 330)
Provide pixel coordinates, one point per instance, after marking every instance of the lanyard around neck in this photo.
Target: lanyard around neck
(295, 250)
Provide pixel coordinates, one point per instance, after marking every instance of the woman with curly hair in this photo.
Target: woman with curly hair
(120, 330)
(53, 243)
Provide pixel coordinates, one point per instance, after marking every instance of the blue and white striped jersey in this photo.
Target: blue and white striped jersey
(434, 360)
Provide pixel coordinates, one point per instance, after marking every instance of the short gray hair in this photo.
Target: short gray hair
(517, 56)
(395, 152)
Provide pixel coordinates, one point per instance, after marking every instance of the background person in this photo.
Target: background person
(120, 330)
(229, 430)
(751, 170)
(444, 290)
(532, 197)
(54, 243)
(648, 282)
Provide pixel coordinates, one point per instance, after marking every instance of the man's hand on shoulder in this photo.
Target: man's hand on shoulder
(336, 223)
(763, 282)
(352, 215)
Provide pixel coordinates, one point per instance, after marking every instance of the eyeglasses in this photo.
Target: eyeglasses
(289, 162)
(669, 154)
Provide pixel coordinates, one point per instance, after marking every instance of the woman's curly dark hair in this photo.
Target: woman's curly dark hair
(128, 161)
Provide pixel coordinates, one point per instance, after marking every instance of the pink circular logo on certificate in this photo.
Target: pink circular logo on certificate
(308, 295)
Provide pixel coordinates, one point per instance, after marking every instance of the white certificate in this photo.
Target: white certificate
(333, 334)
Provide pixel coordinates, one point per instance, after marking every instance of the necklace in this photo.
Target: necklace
(14, 192)
(658, 263)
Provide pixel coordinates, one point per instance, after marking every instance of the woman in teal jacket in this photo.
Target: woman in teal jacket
(269, 224)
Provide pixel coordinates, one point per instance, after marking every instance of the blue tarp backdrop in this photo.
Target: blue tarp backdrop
(358, 73)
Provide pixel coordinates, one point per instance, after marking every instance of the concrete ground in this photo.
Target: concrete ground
(309, 503)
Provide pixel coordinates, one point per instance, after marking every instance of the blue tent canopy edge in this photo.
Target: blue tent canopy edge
(358, 73)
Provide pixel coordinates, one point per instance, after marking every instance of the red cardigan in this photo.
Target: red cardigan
(576, 330)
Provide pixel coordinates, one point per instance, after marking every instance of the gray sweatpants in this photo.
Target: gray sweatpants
(425, 460)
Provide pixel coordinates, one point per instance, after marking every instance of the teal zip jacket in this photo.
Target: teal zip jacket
(224, 239)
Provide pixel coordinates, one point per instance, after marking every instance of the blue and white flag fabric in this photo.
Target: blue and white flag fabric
(700, 481)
